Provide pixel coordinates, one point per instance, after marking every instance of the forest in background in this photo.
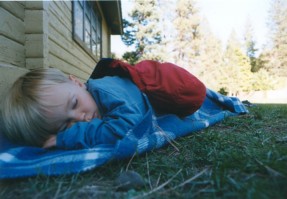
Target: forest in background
(174, 31)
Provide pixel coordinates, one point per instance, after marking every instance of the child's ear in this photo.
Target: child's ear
(76, 81)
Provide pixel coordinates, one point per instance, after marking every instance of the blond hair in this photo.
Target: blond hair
(23, 110)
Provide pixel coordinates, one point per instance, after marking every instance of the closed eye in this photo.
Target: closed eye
(75, 104)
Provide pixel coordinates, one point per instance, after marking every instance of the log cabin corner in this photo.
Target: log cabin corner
(69, 35)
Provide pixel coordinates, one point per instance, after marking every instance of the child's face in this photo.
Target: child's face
(71, 102)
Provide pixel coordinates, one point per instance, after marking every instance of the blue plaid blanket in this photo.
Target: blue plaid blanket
(23, 161)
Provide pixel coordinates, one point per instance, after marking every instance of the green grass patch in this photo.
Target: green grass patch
(241, 157)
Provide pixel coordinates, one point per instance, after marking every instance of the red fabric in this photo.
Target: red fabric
(170, 89)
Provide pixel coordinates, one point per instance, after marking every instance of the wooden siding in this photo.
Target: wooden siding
(11, 53)
(64, 52)
(7, 77)
(38, 34)
(12, 34)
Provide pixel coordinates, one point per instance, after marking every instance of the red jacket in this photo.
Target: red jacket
(170, 89)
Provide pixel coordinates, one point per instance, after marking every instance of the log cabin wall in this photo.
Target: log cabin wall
(39, 34)
(12, 34)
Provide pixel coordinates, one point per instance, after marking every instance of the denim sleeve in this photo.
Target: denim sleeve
(122, 107)
(90, 134)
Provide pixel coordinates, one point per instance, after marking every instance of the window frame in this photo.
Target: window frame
(94, 12)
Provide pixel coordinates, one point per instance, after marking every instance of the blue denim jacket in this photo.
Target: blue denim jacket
(122, 107)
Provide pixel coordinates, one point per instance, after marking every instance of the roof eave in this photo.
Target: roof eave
(113, 13)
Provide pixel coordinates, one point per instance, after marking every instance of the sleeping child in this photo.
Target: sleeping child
(46, 108)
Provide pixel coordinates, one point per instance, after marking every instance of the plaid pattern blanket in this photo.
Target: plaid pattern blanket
(23, 161)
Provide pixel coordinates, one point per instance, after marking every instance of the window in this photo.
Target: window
(87, 28)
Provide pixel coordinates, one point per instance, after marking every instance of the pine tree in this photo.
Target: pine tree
(166, 13)
(188, 36)
(211, 58)
(250, 46)
(262, 81)
(237, 75)
(277, 55)
(143, 31)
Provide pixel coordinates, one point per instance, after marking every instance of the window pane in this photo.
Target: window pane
(88, 9)
(94, 35)
(88, 39)
(98, 50)
(98, 37)
(99, 25)
(87, 32)
(98, 44)
(81, 2)
(87, 27)
(94, 48)
(94, 20)
(79, 20)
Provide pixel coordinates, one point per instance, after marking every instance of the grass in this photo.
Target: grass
(241, 157)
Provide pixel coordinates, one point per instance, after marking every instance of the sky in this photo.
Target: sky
(223, 17)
